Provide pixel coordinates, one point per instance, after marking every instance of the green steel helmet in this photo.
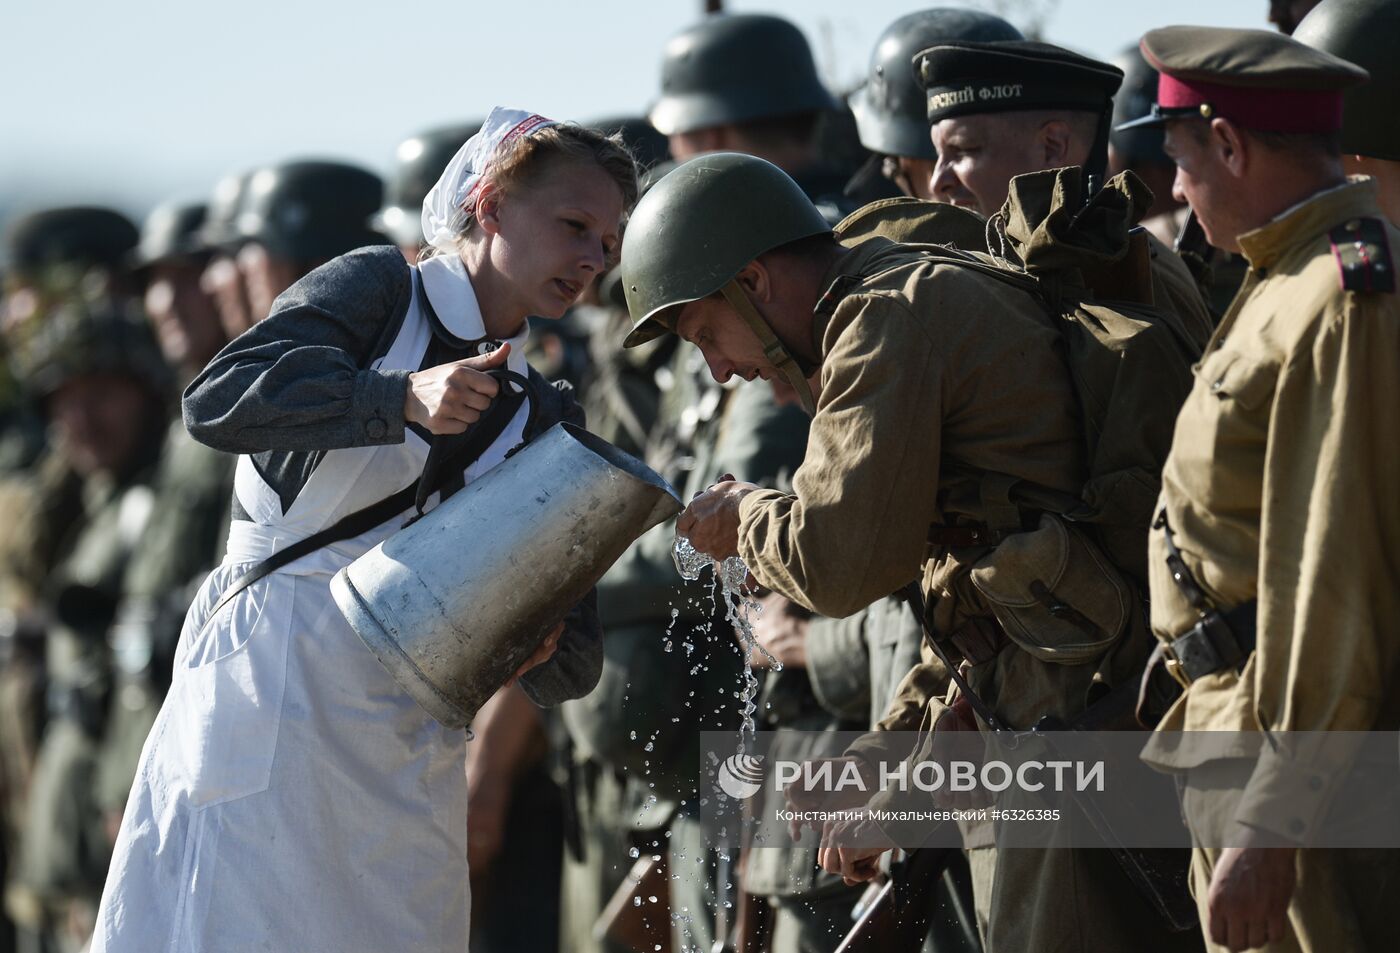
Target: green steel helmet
(733, 68)
(310, 210)
(171, 233)
(1140, 144)
(891, 107)
(1364, 32)
(418, 162)
(105, 334)
(220, 229)
(699, 226)
(77, 236)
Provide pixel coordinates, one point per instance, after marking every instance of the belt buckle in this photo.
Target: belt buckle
(1175, 669)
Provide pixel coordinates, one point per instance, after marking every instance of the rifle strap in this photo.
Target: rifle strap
(913, 595)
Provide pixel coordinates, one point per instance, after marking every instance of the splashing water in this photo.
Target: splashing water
(740, 611)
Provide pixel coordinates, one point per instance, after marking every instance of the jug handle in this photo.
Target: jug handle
(453, 453)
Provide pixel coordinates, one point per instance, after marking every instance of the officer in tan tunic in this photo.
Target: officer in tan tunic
(1274, 555)
(920, 369)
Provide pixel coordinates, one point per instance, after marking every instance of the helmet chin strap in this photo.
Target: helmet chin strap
(773, 349)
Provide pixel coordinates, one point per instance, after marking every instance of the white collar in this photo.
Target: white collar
(449, 288)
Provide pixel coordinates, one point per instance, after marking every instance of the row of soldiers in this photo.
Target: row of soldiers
(114, 513)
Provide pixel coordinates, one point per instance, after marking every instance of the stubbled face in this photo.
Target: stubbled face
(98, 420)
(729, 347)
(265, 276)
(978, 156)
(1202, 181)
(184, 319)
(556, 236)
(223, 283)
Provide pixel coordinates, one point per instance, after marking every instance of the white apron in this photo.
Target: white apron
(291, 798)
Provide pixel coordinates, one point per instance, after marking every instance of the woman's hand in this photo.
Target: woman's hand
(450, 398)
(542, 654)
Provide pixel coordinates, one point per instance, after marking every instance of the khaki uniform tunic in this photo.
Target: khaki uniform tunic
(931, 374)
(1283, 485)
(905, 391)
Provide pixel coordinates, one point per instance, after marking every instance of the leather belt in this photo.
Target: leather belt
(942, 537)
(1218, 640)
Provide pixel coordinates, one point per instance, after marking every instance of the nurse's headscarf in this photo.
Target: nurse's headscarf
(454, 195)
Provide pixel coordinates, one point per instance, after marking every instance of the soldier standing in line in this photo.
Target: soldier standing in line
(273, 225)
(297, 215)
(1364, 32)
(184, 536)
(103, 385)
(1045, 108)
(220, 280)
(748, 83)
(891, 110)
(1273, 554)
(51, 255)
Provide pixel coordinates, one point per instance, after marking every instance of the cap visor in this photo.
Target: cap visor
(1150, 121)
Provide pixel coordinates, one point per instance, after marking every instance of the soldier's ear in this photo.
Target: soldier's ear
(1054, 141)
(756, 279)
(1228, 143)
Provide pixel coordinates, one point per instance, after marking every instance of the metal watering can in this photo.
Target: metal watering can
(454, 603)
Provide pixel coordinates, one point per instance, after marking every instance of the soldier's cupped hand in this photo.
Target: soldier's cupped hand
(449, 398)
(711, 521)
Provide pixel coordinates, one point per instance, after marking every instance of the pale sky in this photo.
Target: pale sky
(132, 101)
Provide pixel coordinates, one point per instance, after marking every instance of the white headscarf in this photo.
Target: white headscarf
(455, 191)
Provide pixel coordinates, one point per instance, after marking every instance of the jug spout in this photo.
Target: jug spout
(667, 506)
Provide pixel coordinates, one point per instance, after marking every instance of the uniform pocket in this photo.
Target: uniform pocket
(1250, 383)
(1054, 592)
(219, 725)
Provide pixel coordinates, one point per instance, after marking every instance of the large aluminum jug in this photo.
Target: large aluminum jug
(454, 603)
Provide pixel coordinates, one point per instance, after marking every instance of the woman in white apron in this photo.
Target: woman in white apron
(291, 796)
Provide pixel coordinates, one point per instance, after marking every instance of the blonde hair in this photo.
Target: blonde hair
(526, 159)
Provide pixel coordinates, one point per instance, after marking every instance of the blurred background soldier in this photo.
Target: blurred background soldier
(220, 280)
(297, 215)
(748, 83)
(1364, 32)
(1218, 273)
(1287, 14)
(1140, 149)
(49, 256)
(95, 368)
(275, 224)
(193, 487)
(418, 162)
(891, 109)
